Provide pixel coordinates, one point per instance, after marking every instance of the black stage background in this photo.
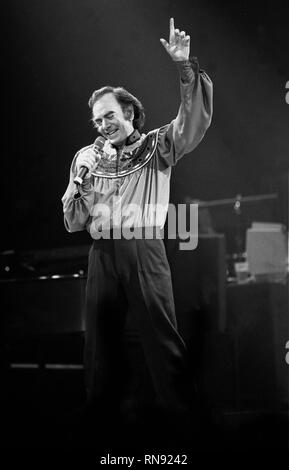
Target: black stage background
(58, 52)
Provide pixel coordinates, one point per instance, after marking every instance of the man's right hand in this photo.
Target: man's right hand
(88, 158)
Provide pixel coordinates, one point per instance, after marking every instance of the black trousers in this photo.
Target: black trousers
(132, 275)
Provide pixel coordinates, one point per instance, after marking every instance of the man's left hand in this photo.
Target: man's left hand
(178, 46)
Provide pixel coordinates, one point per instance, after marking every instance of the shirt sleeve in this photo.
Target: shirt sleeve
(77, 204)
(194, 117)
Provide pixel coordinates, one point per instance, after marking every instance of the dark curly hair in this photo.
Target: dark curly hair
(125, 99)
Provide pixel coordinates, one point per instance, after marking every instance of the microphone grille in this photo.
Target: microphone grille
(99, 143)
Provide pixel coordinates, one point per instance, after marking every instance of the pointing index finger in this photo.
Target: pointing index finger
(172, 29)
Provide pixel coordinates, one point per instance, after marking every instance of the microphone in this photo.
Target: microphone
(83, 170)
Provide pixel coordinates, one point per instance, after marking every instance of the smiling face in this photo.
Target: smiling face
(110, 120)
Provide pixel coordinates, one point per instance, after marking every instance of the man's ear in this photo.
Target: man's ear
(129, 113)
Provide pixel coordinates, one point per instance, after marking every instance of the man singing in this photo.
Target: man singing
(132, 170)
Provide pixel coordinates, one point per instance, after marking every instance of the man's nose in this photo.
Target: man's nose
(105, 124)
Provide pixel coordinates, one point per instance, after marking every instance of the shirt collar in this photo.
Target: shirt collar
(133, 141)
(132, 137)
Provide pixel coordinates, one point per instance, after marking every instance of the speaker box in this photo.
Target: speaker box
(47, 304)
(258, 325)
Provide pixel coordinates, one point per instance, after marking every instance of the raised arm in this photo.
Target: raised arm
(195, 112)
